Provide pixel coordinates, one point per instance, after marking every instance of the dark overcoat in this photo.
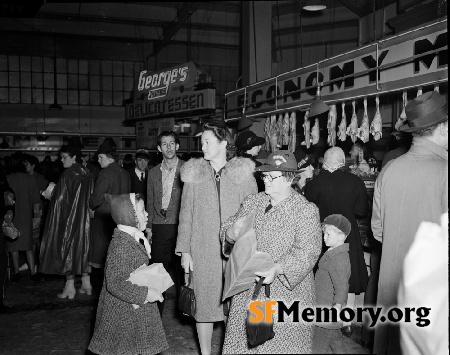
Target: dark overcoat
(343, 193)
(119, 328)
(112, 180)
(65, 242)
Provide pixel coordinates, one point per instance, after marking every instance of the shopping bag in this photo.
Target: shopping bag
(186, 299)
(259, 333)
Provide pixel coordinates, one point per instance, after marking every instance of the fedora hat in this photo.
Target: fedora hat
(425, 111)
(247, 140)
(280, 160)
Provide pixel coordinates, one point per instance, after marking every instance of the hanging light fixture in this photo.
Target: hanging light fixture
(318, 107)
(54, 105)
(314, 5)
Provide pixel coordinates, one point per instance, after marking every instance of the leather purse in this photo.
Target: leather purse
(259, 333)
(186, 299)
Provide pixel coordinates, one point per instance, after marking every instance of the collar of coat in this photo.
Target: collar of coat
(197, 171)
(343, 248)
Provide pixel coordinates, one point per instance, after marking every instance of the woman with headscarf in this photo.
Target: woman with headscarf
(287, 227)
(214, 187)
(336, 191)
(114, 180)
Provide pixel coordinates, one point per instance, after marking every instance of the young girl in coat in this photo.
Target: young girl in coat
(119, 327)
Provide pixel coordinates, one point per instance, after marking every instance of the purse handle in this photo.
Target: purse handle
(189, 279)
(258, 288)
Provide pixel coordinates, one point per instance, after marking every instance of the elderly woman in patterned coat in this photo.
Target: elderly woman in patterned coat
(213, 190)
(287, 227)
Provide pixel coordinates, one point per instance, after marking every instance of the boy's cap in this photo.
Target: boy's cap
(338, 221)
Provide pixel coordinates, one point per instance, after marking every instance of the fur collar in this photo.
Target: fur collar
(238, 170)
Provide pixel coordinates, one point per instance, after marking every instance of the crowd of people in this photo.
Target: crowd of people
(104, 222)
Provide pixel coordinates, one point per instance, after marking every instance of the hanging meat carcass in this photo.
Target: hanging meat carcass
(286, 129)
(363, 130)
(352, 129)
(342, 131)
(267, 134)
(293, 132)
(402, 118)
(273, 133)
(280, 130)
(331, 126)
(419, 92)
(307, 131)
(315, 132)
(376, 125)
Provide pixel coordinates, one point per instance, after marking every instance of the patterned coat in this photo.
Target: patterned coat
(119, 328)
(291, 233)
(199, 225)
(112, 180)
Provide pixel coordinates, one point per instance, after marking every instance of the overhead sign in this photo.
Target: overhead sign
(415, 58)
(171, 91)
(148, 131)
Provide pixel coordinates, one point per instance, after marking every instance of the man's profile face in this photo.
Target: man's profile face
(141, 164)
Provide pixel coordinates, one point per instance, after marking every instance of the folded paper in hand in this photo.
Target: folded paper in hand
(244, 261)
(154, 276)
(48, 191)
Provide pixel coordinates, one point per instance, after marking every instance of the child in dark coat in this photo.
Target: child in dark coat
(119, 327)
(332, 282)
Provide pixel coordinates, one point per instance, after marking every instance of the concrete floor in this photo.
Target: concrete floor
(40, 323)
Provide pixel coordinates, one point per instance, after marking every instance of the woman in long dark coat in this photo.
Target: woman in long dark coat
(336, 191)
(27, 197)
(113, 180)
(65, 242)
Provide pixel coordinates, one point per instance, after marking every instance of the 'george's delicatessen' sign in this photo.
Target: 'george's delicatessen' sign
(172, 91)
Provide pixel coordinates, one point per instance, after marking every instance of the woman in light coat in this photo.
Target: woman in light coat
(213, 190)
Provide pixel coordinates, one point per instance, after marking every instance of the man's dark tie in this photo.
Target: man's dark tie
(142, 176)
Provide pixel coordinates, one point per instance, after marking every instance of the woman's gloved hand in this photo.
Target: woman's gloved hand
(270, 274)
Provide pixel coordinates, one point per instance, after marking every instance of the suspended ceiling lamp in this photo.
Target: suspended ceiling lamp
(314, 5)
(318, 107)
(54, 105)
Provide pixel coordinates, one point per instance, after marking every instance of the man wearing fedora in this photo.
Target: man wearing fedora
(138, 174)
(410, 189)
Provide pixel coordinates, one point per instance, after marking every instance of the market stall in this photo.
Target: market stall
(365, 89)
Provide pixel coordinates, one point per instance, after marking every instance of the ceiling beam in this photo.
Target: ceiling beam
(317, 27)
(141, 23)
(350, 4)
(183, 16)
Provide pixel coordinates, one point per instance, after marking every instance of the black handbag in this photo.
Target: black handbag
(186, 299)
(259, 333)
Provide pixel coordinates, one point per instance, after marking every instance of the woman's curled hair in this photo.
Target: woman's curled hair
(222, 133)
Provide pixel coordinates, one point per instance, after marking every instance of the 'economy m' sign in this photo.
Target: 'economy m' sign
(418, 57)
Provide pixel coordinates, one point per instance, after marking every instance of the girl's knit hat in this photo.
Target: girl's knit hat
(122, 210)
